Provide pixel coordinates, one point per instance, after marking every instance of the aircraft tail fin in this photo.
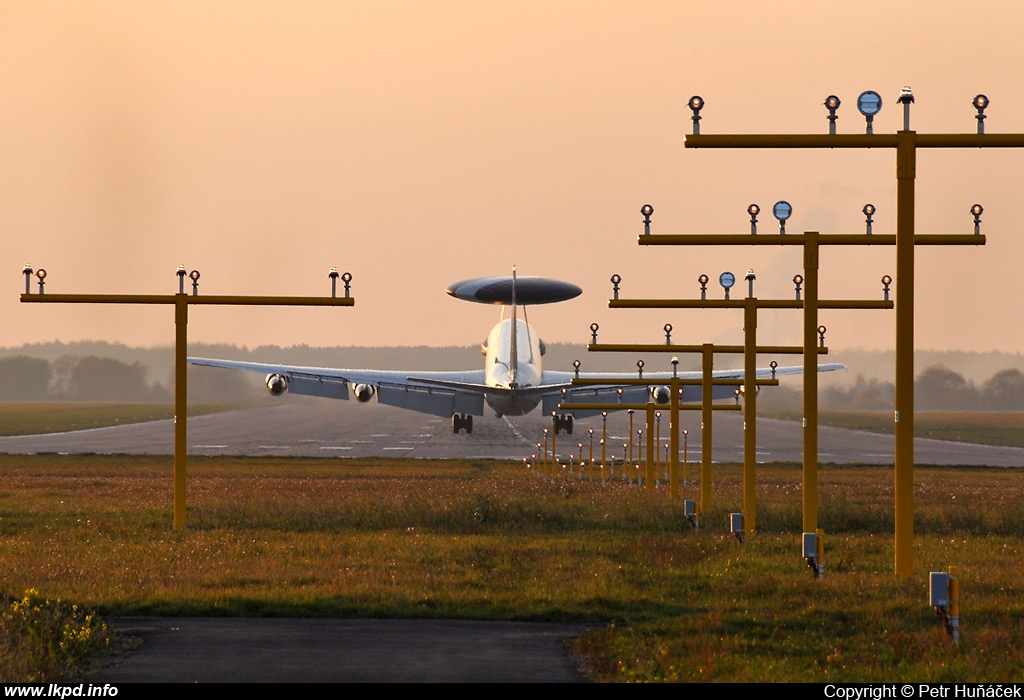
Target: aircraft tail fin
(513, 357)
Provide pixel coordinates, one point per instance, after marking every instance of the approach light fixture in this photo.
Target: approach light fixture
(181, 278)
(750, 277)
(668, 333)
(346, 277)
(576, 366)
(640, 369)
(869, 103)
(675, 366)
(615, 279)
(782, 210)
(753, 210)
(28, 272)
(886, 281)
(333, 274)
(41, 276)
(798, 280)
(773, 364)
(832, 104)
(869, 211)
(821, 336)
(727, 280)
(647, 210)
(977, 210)
(593, 333)
(194, 276)
(980, 102)
(703, 280)
(696, 104)
(906, 99)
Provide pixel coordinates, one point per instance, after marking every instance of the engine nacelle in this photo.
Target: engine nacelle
(277, 384)
(661, 394)
(363, 392)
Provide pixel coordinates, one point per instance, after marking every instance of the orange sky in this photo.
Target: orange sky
(419, 143)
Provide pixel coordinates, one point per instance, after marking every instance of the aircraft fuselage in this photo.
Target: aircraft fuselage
(510, 372)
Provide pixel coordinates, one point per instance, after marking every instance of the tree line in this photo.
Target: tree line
(92, 378)
(936, 388)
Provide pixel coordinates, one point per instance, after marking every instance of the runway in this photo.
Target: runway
(324, 428)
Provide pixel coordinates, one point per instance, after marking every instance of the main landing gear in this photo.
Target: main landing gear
(462, 421)
(562, 423)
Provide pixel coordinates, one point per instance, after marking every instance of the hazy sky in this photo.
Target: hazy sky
(419, 143)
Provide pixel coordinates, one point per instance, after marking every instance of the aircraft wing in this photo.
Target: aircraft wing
(557, 386)
(435, 393)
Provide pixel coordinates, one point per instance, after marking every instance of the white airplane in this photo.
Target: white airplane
(512, 382)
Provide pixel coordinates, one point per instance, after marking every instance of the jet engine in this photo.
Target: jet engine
(363, 392)
(661, 394)
(277, 384)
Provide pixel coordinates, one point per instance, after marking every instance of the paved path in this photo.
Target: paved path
(262, 650)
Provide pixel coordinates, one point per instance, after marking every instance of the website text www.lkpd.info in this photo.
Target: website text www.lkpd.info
(61, 690)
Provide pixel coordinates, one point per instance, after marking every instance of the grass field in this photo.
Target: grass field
(490, 540)
(1003, 428)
